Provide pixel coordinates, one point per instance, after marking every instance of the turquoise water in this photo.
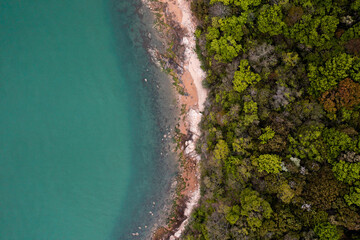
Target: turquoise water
(80, 135)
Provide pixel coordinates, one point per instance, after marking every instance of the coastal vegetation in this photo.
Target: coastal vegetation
(280, 142)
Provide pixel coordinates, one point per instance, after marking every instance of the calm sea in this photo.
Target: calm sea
(82, 155)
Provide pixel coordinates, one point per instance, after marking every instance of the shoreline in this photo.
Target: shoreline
(185, 67)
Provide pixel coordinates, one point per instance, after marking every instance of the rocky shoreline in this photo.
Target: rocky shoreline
(176, 26)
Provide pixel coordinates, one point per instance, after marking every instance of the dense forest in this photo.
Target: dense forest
(281, 142)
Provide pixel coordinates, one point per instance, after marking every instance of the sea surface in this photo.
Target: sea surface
(83, 154)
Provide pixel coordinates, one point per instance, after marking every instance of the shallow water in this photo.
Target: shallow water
(81, 150)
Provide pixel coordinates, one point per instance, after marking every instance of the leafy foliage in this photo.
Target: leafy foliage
(251, 203)
(224, 36)
(347, 172)
(314, 31)
(280, 140)
(232, 214)
(336, 142)
(268, 134)
(326, 231)
(325, 77)
(270, 163)
(221, 150)
(353, 197)
(244, 77)
(347, 96)
(244, 4)
(308, 143)
(270, 20)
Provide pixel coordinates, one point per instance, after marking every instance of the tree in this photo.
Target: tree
(326, 77)
(244, 77)
(224, 35)
(323, 189)
(250, 110)
(347, 172)
(244, 4)
(285, 193)
(355, 5)
(295, 13)
(317, 31)
(351, 33)
(308, 143)
(270, 20)
(242, 145)
(225, 49)
(251, 203)
(232, 214)
(336, 142)
(221, 150)
(327, 231)
(353, 197)
(346, 95)
(355, 71)
(347, 218)
(268, 134)
(270, 163)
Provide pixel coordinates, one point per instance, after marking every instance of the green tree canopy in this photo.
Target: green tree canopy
(347, 172)
(244, 4)
(308, 143)
(323, 78)
(354, 196)
(270, 20)
(251, 111)
(336, 142)
(317, 31)
(251, 203)
(268, 134)
(327, 231)
(244, 77)
(232, 214)
(224, 36)
(270, 163)
(221, 150)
